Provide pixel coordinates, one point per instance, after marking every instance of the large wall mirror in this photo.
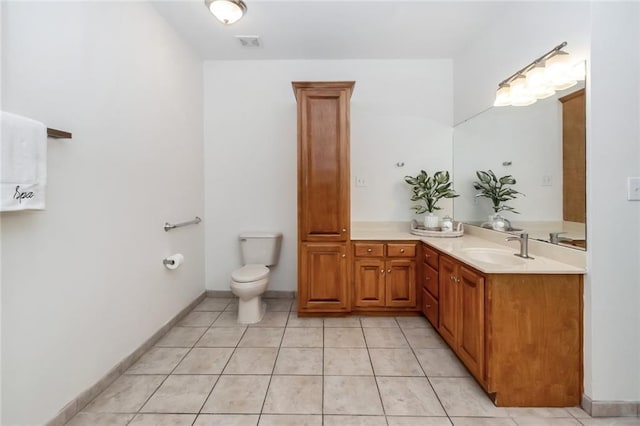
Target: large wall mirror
(543, 147)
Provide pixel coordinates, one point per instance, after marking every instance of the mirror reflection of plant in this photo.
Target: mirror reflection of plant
(498, 190)
(430, 189)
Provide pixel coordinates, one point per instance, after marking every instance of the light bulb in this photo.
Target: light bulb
(558, 71)
(503, 96)
(537, 82)
(520, 93)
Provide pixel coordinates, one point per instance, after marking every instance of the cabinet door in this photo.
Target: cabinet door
(400, 286)
(369, 282)
(323, 175)
(447, 300)
(471, 321)
(323, 277)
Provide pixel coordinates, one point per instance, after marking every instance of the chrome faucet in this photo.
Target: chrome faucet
(524, 245)
(555, 238)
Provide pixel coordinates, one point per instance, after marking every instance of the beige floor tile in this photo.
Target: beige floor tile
(273, 319)
(163, 420)
(126, 395)
(385, 338)
(181, 337)
(221, 337)
(395, 362)
(213, 304)
(351, 395)
(262, 338)
(354, 421)
(352, 321)
(100, 419)
(252, 361)
(482, 421)
(409, 396)
(578, 412)
(294, 395)
(413, 322)
(299, 361)
(158, 361)
(424, 338)
(418, 421)
(232, 307)
(295, 321)
(463, 397)
(378, 322)
(302, 338)
(537, 412)
(611, 421)
(343, 337)
(278, 305)
(237, 395)
(227, 420)
(199, 319)
(227, 319)
(546, 421)
(180, 394)
(204, 361)
(290, 420)
(440, 363)
(347, 362)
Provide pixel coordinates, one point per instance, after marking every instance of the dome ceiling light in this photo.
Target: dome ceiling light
(227, 11)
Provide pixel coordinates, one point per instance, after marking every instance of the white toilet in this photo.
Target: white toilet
(259, 250)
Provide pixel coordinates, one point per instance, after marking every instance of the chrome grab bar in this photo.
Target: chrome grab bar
(168, 226)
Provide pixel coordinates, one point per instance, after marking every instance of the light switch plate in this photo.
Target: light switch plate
(633, 189)
(361, 181)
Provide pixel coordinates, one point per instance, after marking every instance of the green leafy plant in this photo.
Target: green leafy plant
(430, 189)
(498, 190)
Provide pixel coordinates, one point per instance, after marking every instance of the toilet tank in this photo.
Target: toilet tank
(260, 248)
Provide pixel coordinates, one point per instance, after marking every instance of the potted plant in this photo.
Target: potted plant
(499, 191)
(430, 189)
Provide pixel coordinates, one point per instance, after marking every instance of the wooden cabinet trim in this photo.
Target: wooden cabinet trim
(362, 249)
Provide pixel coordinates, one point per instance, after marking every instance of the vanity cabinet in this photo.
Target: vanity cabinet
(430, 284)
(323, 195)
(520, 335)
(384, 275)
(462, 313)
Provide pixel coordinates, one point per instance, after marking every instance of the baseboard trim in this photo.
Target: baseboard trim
(610, 408)
(269, 294)
(76, 405)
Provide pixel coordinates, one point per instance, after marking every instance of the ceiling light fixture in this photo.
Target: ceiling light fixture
(540, 79)
(227, 11)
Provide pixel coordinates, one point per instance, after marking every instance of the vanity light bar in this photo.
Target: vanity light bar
(538, 80)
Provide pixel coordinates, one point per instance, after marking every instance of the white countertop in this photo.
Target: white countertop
(455, 247)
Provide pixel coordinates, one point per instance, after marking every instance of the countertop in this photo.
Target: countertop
(455, 247)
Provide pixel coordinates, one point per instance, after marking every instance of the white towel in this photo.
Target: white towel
(23, 151)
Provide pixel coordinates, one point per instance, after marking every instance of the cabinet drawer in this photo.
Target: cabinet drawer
(401, 250)
(430, 256)
(430, 279)
(430, 308)
(369, 249)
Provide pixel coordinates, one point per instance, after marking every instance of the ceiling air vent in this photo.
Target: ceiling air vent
(249, 41)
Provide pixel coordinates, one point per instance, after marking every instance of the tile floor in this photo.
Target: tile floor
(305, 371)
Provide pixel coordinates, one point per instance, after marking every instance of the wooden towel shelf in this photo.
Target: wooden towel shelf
(58, 134)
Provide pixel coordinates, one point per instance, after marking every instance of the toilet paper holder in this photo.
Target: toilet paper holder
(168, 262)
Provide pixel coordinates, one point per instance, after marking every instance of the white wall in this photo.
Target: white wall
(400, 111)
(524, 31)
(528, 137)
(612, 287)
(82, 282)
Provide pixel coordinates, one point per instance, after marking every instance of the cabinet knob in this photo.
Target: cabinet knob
(458, 280)
(388, 271)
(344, 229)
(401, 250)
(426, 256)
(452, 278)
(369, 250)
(427, 278)
(427, 306)
(344, 255)
(382, 271)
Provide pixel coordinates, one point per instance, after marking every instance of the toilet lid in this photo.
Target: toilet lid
(250, 273)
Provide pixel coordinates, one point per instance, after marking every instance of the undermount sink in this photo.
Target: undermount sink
(493, 256)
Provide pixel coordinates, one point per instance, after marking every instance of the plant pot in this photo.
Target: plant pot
(431, 221)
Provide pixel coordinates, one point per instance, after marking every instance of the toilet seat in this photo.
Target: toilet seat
(250, 273)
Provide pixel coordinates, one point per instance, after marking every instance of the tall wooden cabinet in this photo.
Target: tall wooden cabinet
(323, 196)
